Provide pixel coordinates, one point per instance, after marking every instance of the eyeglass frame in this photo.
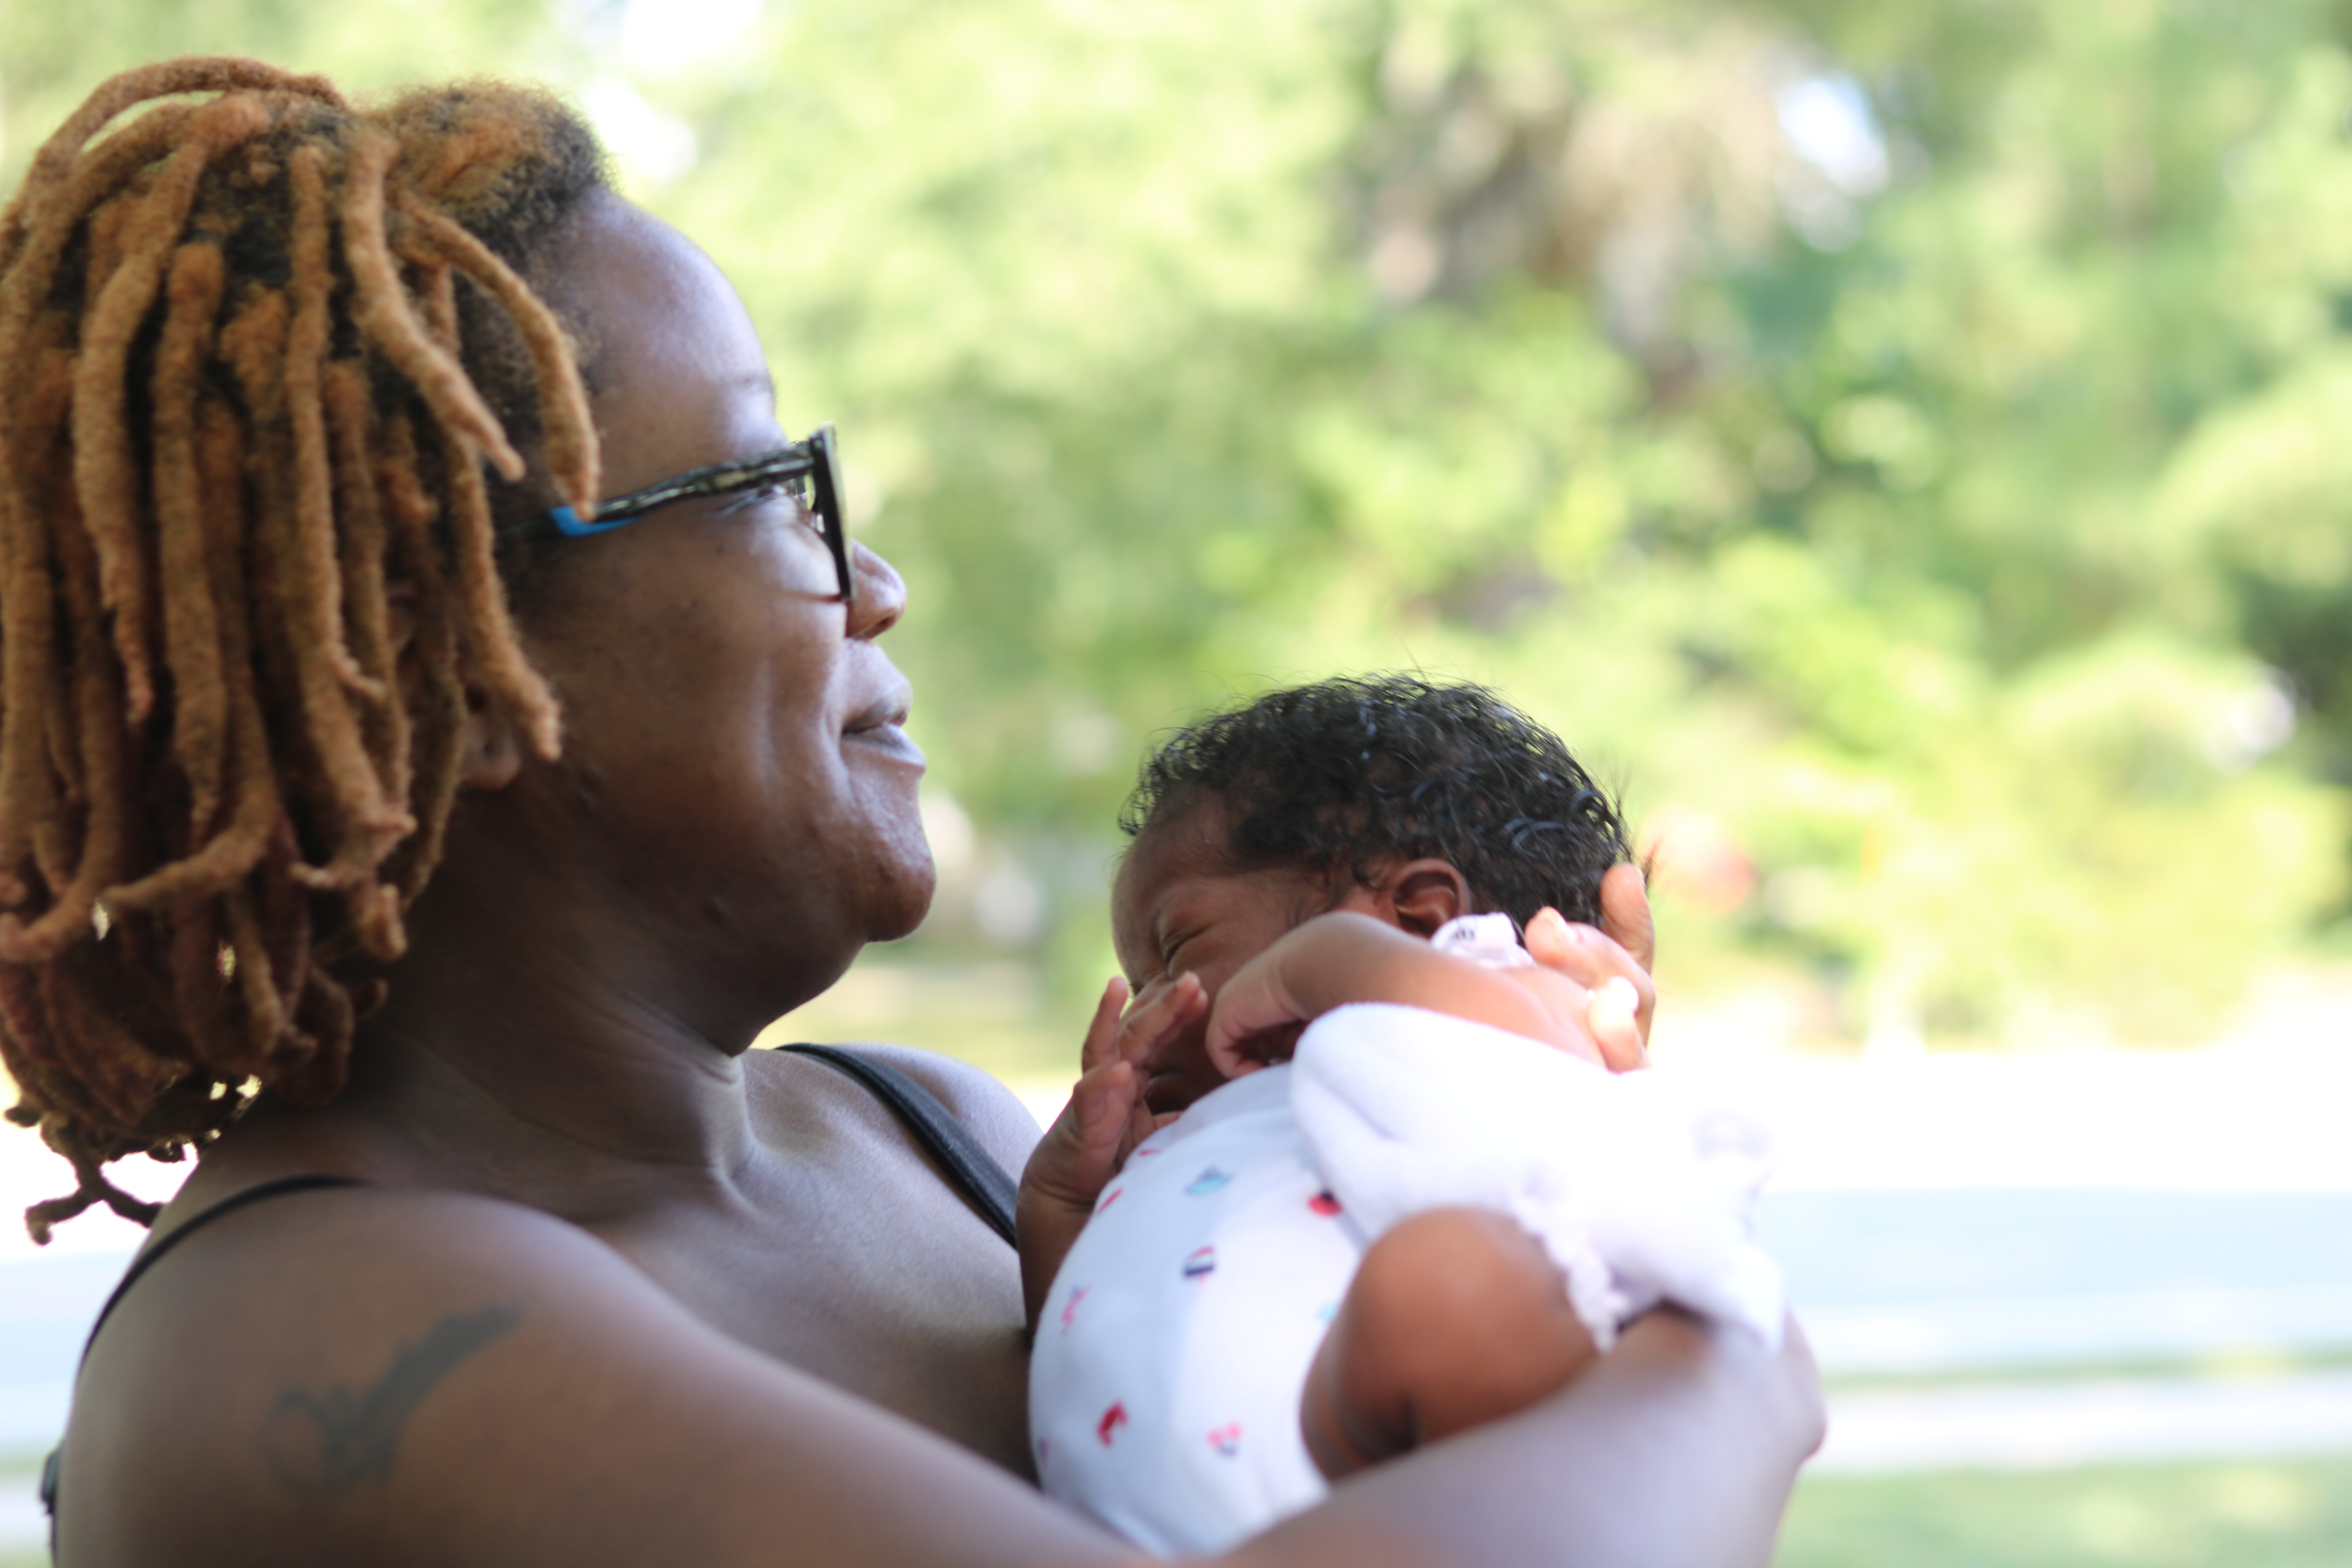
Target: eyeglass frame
(816, 458)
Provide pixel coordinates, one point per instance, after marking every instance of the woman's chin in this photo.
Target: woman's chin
(902, 897)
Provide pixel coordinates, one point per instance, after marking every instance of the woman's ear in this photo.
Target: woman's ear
(491, 747)
(1422, 895)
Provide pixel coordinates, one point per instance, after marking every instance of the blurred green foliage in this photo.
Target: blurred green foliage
(1910, 447)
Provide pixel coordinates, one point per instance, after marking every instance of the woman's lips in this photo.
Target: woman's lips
(887, 735)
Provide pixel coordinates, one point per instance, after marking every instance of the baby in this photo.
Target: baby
(1407, 1196)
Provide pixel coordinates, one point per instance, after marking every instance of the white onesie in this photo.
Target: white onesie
(1164, 1385)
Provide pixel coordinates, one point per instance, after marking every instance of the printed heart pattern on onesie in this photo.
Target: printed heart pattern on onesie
(1226, 1439)
(1112, 1420)
(1324, 1203)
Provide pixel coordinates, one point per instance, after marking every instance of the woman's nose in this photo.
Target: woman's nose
(881, 594)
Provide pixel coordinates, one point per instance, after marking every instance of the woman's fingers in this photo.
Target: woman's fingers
(1625, 915)
(1613, 1020)
(1591, 957)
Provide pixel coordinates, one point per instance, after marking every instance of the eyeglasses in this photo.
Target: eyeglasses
(815, 463)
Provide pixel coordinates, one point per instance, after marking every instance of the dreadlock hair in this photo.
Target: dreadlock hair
(1356, 775)
(259, 347)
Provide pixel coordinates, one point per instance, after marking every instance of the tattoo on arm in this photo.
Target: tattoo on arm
(325, 1444)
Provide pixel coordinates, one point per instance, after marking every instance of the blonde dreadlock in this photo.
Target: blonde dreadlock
(256, 350)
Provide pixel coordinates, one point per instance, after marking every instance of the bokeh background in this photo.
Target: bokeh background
(1908, 448)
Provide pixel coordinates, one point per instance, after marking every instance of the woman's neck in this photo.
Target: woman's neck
(539, 1049)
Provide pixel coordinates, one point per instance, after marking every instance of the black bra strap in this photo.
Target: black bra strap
(971, 1168)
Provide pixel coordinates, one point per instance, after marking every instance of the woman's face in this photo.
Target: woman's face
(734, 768)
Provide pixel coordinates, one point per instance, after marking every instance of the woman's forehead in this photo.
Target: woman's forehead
(682, 379)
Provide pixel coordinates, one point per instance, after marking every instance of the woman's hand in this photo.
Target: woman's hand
(1612, 960)
(1100, 1126)
(1611, 1012)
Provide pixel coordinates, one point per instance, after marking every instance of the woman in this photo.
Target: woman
(352, 760)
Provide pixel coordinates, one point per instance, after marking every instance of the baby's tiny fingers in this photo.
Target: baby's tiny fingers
(1160, 1015)
(1109, 1097)
(1102, 1033)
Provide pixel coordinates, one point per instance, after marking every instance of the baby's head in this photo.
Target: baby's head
(1385, 795)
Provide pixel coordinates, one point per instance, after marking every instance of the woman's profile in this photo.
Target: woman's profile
(442, 721)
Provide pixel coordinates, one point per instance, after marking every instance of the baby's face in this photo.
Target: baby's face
(1180, 907)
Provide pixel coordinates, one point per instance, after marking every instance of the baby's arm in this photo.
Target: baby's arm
(1104, 1118)
(1337, 959)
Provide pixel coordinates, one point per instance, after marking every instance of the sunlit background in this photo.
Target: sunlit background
(1908, 447)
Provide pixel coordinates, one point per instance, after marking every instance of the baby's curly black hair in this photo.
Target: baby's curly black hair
(1359, 773)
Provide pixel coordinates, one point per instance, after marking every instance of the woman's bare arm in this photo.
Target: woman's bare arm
(390, 1378)
(386, 1377)
(1677, 1449)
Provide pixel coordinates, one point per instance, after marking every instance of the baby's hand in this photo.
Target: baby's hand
(1097, 1130)
(1313, 967)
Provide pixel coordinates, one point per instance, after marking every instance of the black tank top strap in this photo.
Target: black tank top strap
(281, 1188)
(260, 1193)
(971, 1168)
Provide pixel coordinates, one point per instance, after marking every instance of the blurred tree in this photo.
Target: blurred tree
(1902, 440)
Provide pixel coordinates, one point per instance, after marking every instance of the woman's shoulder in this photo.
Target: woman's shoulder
(325, 1336)
(989, 1112)
(389, 1375)
(285, 1258)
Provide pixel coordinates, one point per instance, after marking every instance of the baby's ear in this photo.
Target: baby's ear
(1422, 895)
